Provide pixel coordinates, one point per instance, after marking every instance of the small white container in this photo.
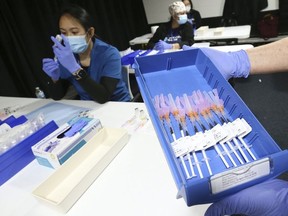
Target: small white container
(202, 30)
(218, 31)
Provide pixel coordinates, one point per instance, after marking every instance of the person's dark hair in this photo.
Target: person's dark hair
(78, 13)
(190, 1)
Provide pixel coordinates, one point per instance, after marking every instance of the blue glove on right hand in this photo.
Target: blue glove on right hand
(51, 68)
(230, 64)
(65, 55)
(269, 198)
(162, 45)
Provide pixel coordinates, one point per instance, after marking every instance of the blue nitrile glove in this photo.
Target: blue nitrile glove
(76, 127)
(51, 68)
(185, 47)
(269, 198)
(65, 55)
(162, 45)
(230, 64)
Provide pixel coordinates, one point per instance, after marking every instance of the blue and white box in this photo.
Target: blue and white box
(56, 148)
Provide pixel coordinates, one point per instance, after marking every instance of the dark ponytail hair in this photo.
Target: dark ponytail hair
(190, 1)
(78, 13)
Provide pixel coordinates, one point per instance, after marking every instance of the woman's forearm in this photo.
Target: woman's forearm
(99, 92)
(269, 58)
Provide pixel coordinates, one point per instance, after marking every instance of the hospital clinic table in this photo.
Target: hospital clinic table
(204, 33)
(137, 182)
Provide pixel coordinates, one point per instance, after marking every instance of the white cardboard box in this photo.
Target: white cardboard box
(56, 148)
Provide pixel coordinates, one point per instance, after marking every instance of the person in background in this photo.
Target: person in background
(92, 66)
(194, 16)
(269, 198)
(175, 33)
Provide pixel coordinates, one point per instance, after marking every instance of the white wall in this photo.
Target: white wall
(157, 10)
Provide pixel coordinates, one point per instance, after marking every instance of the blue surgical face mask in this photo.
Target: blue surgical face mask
(182, 19)
(78, 44)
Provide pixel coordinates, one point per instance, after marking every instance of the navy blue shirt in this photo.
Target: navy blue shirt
(182, 35)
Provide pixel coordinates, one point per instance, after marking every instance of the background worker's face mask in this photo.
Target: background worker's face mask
(182, 19)
(78, 44)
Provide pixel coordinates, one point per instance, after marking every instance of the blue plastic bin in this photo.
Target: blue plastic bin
(182, 72)
(21, 154)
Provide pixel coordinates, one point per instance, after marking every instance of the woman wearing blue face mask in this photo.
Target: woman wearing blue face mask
(175, 33)
(92, 66)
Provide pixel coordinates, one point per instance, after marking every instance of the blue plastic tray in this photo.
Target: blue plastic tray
(187, 71)
(21, 154)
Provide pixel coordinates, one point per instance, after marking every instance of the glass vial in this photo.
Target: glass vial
(39, 93)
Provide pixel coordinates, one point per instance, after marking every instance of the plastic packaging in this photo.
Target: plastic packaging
(20, 132)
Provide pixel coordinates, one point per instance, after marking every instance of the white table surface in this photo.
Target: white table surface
(225, 48)
(232, 48)
(231, 32)
(137, 182)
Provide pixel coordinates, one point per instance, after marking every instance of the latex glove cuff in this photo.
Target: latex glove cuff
(242, 64)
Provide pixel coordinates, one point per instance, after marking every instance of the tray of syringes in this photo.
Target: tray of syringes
(212, 142)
